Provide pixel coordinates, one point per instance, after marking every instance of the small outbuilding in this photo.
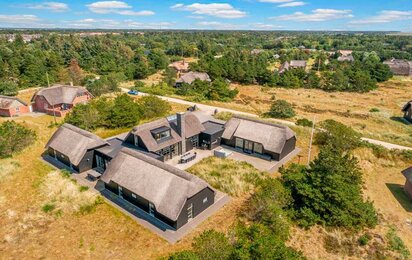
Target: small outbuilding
(263, 139)
(12, 106)
(74, 147)
(408, 183)
(169, 194)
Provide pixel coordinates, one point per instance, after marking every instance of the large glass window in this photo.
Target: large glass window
(258, 148)
(162, 135)
(239, 143)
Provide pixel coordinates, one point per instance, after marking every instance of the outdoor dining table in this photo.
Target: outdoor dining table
(187, 157)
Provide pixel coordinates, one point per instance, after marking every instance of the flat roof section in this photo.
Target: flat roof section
(212, 127)
(116, 144)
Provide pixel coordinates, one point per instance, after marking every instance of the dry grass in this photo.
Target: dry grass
(227, 175)
(7, 168)
(62, 195)
(27, 232)
(350, 108)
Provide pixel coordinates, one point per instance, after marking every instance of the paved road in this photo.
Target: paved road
(211, 109)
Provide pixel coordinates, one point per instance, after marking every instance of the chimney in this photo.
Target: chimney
(181, 129)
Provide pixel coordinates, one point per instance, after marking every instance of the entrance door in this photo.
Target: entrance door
(100, 162)
(190, 212)
(248, 146)
(120, 192)
(151, 209)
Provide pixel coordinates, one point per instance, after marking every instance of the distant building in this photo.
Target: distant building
(400, 67)
(189, 77)
(407, 110)
(58, 100)
(408, 183)
(12, 106)
(180, 66)
(345, 52)
(293, 64)
(348, 58)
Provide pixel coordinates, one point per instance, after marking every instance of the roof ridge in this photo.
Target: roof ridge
(179, 173)
(82, 132)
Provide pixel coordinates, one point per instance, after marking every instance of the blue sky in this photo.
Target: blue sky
(390, 15)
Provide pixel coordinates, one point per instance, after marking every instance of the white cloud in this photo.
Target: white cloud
(317, 15)
(221, 10)
(116, 7)
(275, 1)
(386, 16)
(264, 26)
(18, 19)
(52, 6)
(91, 23)
(292, 4)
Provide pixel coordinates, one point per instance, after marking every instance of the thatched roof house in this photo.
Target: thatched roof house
(189, 77)
(12, 106)
(293, 64)
(165, 192)
(348, 58)
(400, 67)
(166, 134)
(259, 137)
(61, 94)
(58, 100)
(180, 66)
(74, 147)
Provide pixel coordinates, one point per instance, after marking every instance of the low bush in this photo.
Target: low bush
(374, 110)
(396, 244)
(14, 138)
(281, 109)
(304, 122)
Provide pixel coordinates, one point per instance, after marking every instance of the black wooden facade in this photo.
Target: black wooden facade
(199, 202)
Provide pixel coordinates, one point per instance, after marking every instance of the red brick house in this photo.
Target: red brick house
(408, 183)
(59, 99)
(12, 106)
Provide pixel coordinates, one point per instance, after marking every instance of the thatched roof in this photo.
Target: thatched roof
(204, 117)
(345, 52)
(293, 64)
(180, 65)
(192, 76)
(74, 142)
(400, 67)
(272, 136)
(408, 174)
(144, 132)
(61, 94)
(8, 102)
(192, 125)
(346, 58)
(165, 186)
